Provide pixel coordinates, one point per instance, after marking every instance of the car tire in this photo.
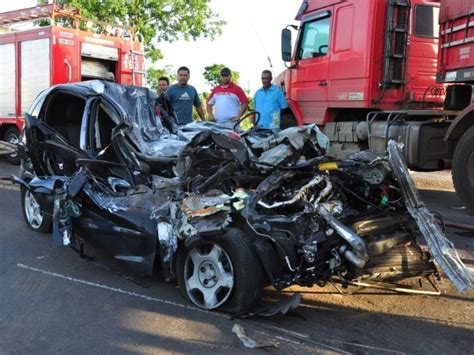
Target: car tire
(12, 135)
(229, 276)
(34, 217)
(463, 169)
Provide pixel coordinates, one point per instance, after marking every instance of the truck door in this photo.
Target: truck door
(309, 78)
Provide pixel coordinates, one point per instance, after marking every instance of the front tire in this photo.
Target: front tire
(463, 169)
(222, 272)
(33, 214)
(12, 136)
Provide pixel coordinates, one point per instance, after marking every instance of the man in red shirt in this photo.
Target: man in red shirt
(227, 102)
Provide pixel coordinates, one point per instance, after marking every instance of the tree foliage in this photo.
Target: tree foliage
(153, 74)
(155, 20)
(212, 74)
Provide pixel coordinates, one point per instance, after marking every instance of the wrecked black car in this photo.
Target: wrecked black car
(224, 212)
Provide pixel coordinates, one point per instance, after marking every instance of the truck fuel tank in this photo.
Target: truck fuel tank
(424, 146)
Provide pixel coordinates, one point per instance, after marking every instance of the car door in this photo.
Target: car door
(53, 139)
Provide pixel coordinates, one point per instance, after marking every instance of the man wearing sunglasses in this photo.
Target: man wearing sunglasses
(227, 101)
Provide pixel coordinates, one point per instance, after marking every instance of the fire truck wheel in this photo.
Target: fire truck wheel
(12, 135)
(463, 169)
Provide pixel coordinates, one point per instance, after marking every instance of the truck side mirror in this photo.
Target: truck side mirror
(286, 45)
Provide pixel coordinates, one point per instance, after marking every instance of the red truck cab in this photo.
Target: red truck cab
(345, 59)
(359, 67)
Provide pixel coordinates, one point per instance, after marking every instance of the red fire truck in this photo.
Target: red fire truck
(365, 72)
(34, 59)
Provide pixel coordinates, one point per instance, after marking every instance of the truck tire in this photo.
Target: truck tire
(463, 169)
(229, 275)
(12, 135)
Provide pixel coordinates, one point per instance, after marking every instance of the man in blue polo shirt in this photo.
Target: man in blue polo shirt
(269, 100)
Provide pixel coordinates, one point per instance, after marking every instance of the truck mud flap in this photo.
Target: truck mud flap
(440, 247)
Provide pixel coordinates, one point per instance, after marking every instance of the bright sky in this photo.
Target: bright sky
(252, 33)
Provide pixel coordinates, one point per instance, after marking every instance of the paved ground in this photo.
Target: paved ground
(434, 180)
(53, 301)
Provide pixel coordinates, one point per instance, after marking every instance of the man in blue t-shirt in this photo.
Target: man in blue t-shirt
(269, 100)
(183, 97)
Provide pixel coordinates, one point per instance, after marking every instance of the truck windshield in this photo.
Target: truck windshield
(426, 21)
(314, 39)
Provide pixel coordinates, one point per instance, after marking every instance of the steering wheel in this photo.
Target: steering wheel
(255, 122)
(321, 47)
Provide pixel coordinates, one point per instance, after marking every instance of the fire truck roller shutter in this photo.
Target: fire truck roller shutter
(98, 62)
(7, 86)
(35, 70)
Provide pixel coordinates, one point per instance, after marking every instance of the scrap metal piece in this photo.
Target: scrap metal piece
(7, 148)
(117, 183)
(283, 145)
(62, 224)
(440, 247)
(405, 290)
(110, 203)
(160, 182)
(296, 136)
(204, 205)
(276, 155)
(300, 194)
(361, 256)
(281, 307)
(249, 342)
(199, 214)
(168, 240)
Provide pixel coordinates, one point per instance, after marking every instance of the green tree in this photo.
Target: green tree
(153, 74)
(155, 20)
(203, 97)
(212, 74)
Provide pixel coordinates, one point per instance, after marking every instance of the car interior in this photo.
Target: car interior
(64, 114)
(102, 123)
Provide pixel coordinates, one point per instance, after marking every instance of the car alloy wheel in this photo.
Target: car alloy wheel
(33, 213)
(208, 275)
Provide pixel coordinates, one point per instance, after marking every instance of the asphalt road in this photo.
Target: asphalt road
(52, 301)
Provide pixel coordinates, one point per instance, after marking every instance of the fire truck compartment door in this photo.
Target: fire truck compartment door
(35, 70)
(101, 52)
(91, 68)
(7, 86)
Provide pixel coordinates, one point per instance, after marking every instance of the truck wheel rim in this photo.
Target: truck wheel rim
(13, 139)
(208, 276)
(33, 211)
